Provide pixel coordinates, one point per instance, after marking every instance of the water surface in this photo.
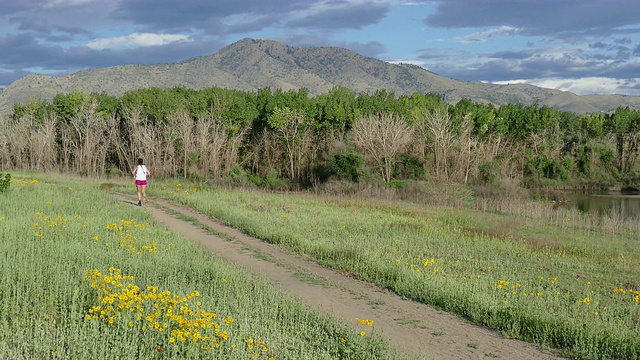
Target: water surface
(618, 205)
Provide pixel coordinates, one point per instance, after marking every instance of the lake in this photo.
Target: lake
(625, 206)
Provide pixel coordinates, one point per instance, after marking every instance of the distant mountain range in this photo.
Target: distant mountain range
(252, 64)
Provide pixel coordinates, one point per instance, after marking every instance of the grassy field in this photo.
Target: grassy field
(85, 276)
(561, 280)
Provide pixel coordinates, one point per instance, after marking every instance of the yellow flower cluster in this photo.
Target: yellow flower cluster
(127, 238)
(634, 293)
(180, 189)
(257, 346)
(46, 221)
(416, 267)
(162, 313)
(365, 322)
(24, 183)
(502, 283)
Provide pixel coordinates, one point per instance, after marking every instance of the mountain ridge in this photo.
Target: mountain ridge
(252, 64)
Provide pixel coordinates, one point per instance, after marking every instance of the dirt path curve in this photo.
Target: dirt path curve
(418, 329)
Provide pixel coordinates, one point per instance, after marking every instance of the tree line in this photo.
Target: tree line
(270, 135)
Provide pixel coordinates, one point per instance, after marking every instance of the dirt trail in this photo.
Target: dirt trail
(420, 330)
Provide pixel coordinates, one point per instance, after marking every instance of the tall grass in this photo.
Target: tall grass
(85, 276)
(572, 284)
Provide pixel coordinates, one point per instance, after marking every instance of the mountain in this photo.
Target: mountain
(251, 64)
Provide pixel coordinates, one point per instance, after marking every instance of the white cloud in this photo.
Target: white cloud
(412, 62)
(412, 3)
(136, 40)
(586, 86)
(65, 3)
(484, 36)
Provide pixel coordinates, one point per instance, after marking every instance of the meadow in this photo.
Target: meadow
(87, 276)
(556, 278)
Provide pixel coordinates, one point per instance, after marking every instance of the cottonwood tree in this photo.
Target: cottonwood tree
(625, 126)
(381, 138)
(294, 136)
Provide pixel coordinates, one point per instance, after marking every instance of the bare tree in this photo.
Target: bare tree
(145, 141)
(86, 141)
(18, 135)
(211, 141)
(117, 143)
(439, 126)
(42, 144)
(184, 128)
(202, 146)
(230, 151)
(382, 137)
(464, 158)
(263, 154)
(223, 146)
(5, 158)
(216, 147)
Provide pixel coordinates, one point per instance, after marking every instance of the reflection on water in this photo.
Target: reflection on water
(616, 205)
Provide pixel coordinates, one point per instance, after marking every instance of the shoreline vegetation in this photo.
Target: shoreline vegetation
(554, 277)
(289, 140)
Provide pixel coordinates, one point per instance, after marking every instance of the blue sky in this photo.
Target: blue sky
(583, 46)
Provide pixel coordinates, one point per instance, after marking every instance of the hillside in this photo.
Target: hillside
(252, 64)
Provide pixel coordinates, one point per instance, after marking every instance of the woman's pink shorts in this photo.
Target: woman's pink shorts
(141, 182)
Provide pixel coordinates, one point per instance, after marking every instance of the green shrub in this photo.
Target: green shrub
(114, 173)
(347, 165)
(5, 182)
(489, 171)
(410, 167)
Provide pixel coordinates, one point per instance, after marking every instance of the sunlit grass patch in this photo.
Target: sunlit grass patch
(89, 276)
(563, 284)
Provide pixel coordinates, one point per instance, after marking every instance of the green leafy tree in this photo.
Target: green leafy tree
(292, 131)
(625, 126)
(68, 106)
(35, 109)
(335, 110)
(156, 104)
(481, 116)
